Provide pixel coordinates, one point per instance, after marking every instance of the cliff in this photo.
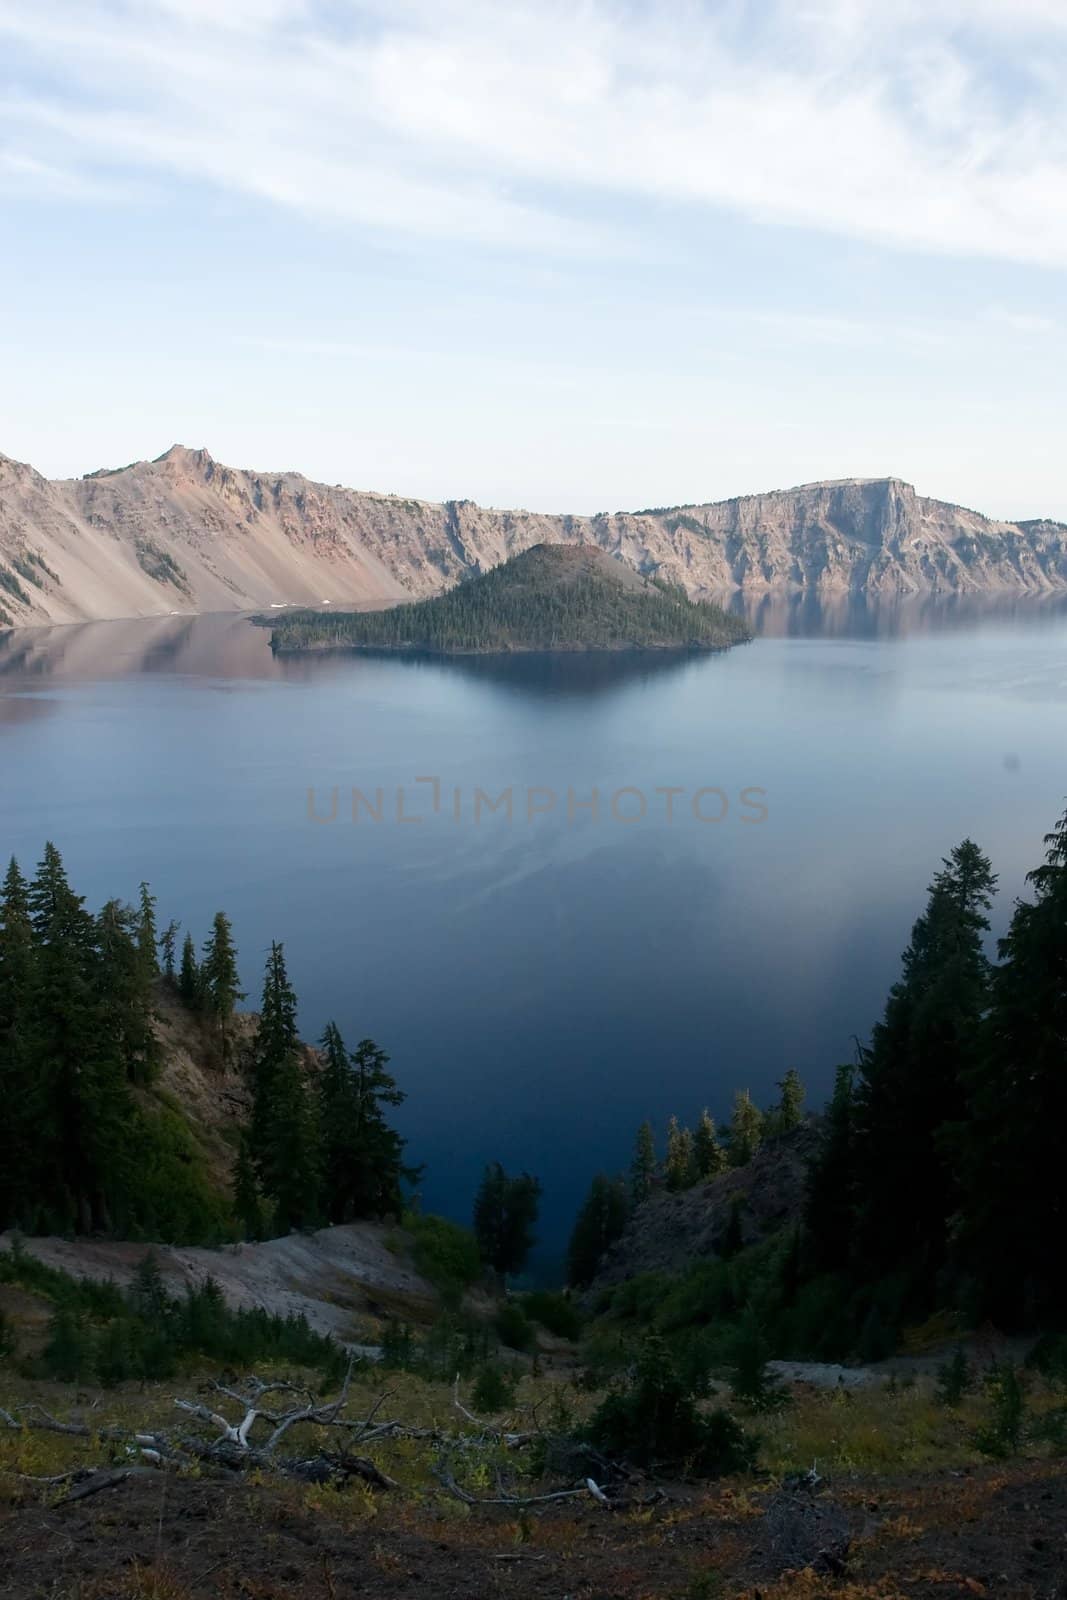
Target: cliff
(183, 533)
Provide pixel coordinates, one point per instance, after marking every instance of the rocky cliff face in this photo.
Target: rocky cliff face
(184, 533)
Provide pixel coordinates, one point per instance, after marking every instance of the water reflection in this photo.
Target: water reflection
(857, 616)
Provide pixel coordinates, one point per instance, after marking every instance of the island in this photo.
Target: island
(552, 597)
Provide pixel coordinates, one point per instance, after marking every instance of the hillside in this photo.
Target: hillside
(671, 1231)
(553, 597)
(337, 1277)
(184, 533)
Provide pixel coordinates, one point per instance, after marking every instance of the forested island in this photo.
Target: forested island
(553, 597)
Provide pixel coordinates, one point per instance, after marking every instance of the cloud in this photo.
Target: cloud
(935, 127)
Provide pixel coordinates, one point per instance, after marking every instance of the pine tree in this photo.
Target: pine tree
(830, 1198)
(189, 986)
(168, 940)
(18, 1079)
(146, 934)
(680, 1167)
(708, 1153)
(283, 1131)
(505, 1211)
(789, 1112)
(600, 1222)
(247, 1204)
(362, 1156)
(128, 989)
(1009, 1149)
(643, 1169)
(911, 1091)
(746, 1129)
(86, 1113)
(219, 982)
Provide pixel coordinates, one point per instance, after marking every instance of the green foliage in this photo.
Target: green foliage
(655, 1422)
(708, 1154)
(493, 1391)
(160, 564)
(680, 1170)
(599, 1224)
(547, 598)
(557, 1313)
(955, 1378)
(746, 1129)
(361, 1155)
(789, 1112)
(98, 1332)
(513, 1327)
(505, 1211)
(190, 987)
(1001, 1435)
(283, 1128)
(751, 1381)
(445, 1254)
(218, 980)
(643, 1168)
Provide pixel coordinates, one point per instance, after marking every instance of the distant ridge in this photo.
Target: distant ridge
(185, 533)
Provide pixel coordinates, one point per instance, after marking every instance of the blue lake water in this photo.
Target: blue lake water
(544, 982)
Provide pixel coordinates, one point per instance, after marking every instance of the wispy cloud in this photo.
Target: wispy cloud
(935, 127)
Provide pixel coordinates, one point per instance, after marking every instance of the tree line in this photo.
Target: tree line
(940, 1181)
(84, 1144)
(692, 1156)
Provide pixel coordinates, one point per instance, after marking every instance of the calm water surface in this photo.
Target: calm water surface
(544, 984)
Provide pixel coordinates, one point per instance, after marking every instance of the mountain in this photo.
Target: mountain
(553, 597)
(184, 533)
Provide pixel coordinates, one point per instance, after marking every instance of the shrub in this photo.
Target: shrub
(513, 1327)
(1002, 1434)
(655, 1422)
(555, 1312)
(494, 1390)
(954, 1378)
(750, 1380)
(68, 1355)
(446, 1255)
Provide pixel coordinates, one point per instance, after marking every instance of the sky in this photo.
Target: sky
(582, 256)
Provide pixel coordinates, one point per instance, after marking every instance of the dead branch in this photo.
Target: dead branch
(446, 1478)
(513, 1441)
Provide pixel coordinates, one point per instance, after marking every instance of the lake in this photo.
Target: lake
(767, 822)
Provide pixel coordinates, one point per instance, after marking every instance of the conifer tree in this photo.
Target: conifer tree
(911, 1090)
(789, 1112)
(18, 1080)
(830, 1196)
(219, 983)
(708, 1153)
(128, 989)
(600, 1222)
(77, 1057)
(1009, 1149)
(283, 1131)
(746, 1129)
(505, 1211)
(643, 1169)
(680, 1169)
(146, 933)
(247, 1204)
(189, 976)
(168, 941)
(362, 1156)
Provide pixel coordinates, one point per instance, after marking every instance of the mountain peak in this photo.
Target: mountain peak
(182, 455)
